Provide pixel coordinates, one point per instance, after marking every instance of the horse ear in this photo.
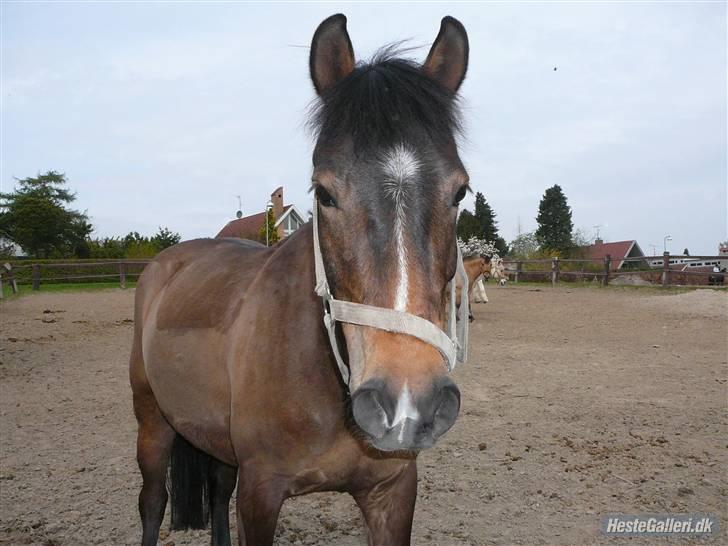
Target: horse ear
(332, 57)
(447, 61)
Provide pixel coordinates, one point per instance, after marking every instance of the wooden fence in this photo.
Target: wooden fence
(81, 271)
(554, 269)
(557, 269)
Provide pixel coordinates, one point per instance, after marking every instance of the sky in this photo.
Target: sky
(161, 114)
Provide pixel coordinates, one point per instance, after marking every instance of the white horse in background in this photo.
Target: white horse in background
(498, 271)
(482, 262)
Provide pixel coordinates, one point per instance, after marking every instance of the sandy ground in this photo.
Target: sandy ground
(576, 403)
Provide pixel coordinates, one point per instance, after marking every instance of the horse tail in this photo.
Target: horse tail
(188, 481)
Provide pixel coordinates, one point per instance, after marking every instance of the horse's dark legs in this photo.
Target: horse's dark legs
(259, 504)
(222, 484)
(389, 507)
(154, 445)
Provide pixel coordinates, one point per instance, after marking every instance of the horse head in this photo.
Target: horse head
(388, 180)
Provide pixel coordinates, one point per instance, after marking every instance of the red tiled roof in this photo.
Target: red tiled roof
(246, 227)
(617, 250)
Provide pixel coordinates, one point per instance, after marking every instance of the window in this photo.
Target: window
(290, 224)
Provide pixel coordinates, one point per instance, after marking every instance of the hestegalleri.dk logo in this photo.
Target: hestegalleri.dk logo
(660, 524)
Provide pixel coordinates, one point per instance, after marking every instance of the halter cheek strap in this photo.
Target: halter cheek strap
(452, 345)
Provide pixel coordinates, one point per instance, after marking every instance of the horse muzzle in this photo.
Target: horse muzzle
(405, 420)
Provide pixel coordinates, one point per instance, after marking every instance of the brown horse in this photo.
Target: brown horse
(232, 370)
(475, 267)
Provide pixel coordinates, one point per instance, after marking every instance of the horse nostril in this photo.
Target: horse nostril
(369, 412)
(447, 409)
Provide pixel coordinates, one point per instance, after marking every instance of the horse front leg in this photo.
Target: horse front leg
(258, 506)
(389, 507)
(222, 485)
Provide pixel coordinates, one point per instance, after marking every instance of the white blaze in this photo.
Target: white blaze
(400, 168)
(405, 410)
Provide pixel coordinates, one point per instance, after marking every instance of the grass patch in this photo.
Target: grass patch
(27, 289)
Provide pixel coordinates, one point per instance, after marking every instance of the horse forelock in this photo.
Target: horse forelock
(383, 102)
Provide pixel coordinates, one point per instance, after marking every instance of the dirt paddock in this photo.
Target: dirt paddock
(577, 402)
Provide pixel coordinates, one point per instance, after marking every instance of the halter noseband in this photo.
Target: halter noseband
(452, 346)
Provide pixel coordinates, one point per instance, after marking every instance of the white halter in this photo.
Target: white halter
(452, 345)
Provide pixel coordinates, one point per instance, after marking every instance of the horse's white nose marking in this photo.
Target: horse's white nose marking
(400, 167)
(405, 410)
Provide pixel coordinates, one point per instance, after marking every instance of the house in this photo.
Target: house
(287, 220)
(618, 251)
(690, 263)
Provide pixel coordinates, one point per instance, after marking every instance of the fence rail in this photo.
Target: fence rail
(35, 274)
(601, 269)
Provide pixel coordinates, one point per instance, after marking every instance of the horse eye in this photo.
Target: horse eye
(459, 196)
(324, 197)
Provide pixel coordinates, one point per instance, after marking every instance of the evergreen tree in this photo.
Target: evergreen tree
(467, 226)
(485, 217)
(554, 221)
(36, 216)
(487, 224)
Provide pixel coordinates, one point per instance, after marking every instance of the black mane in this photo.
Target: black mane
(384, 100)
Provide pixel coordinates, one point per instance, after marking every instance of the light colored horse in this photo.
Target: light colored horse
(498, 271)
(476, 267)
(478, 294)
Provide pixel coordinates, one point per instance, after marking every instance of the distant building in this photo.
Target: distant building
(288, 219)
(689, 263)
(618, 251)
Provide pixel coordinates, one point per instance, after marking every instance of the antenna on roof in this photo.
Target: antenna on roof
(597, 228)
(239, 213)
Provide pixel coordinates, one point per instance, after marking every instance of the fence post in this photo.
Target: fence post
(554, 270)
(122, 275)
(36, 276)
(1, 287)
(607, 268)
(519, 268)
(665, 269)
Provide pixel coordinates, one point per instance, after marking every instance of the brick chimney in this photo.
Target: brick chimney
(277, 199)
(598, 242)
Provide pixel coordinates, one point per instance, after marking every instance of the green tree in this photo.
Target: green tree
(106, 248)
(36, 216)
(485, 217)
(554, 221)
(482, 224)
(467, 226)
(270, 226)
(165, 238)
(524, 246)
(133, 238)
